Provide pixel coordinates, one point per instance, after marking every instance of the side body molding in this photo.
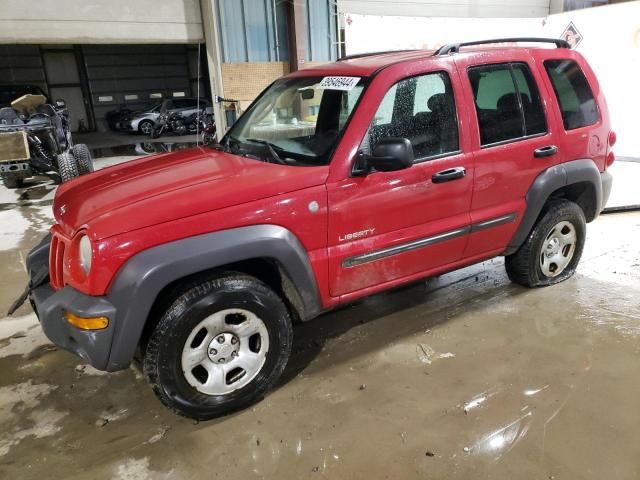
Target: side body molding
(142, 278)
(545, 184)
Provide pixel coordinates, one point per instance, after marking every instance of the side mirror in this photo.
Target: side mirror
(60, 104)
(390, 154)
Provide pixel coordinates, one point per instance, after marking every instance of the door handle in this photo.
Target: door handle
(547, 151)
(449, 174)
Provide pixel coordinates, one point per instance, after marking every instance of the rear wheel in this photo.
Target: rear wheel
(12, 181)
(156, 131)
(67, 166)
(83, 157)
(219, 347)
(552, 250)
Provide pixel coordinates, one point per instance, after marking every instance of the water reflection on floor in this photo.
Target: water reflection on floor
(140, 148)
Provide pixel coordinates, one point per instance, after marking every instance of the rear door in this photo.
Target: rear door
(389, 227)
(514, 136)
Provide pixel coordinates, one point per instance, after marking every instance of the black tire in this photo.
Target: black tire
(524, 267)
(12, 181)
(156, 131)
(145, 127)
(208, 138)
(83, 158)
(163, 353)
(67, 167)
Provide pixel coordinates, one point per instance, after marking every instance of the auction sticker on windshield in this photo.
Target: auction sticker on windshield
(338, 83)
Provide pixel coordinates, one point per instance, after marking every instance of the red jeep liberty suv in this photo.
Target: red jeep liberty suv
(339, 181)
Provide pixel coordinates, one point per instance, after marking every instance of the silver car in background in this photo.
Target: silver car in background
(142, 122)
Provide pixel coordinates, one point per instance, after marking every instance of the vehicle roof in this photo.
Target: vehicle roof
(366, 64)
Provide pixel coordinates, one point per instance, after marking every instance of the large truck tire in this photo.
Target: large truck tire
(83, 158)
(67, 167)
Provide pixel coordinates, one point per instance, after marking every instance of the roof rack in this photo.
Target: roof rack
(455, 47)
(360, 55)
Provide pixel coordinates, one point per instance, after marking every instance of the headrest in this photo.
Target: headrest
(508, 101)
(8, 116)
(437, 102)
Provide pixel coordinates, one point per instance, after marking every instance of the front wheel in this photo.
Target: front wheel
(208, 137)
(83, 157)
(67, 166)
(219, 347)
(552, 250)
(145, 127)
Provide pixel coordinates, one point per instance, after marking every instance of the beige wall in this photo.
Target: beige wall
(100, 21)
(245, 81)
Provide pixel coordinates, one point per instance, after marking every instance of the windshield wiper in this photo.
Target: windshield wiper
(274, 155)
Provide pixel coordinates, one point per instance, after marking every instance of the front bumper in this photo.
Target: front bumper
(94, 346)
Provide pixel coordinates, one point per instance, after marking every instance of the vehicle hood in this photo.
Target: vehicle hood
(161, 188)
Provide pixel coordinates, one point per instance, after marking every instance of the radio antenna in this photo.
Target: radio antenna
(198, 100)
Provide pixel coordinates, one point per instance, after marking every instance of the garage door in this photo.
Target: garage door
(134, 76)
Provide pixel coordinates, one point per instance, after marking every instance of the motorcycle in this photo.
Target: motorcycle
(208, 127)
(181, 125)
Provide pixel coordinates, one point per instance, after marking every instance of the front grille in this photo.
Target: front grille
(56, 258)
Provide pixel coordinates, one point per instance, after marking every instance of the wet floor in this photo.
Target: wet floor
(465, 376)
(141, 148)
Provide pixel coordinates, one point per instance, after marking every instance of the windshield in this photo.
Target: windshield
(297, 121)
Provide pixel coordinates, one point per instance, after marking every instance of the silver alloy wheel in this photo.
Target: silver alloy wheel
(146, 127)
(558, 249)
(225, 351)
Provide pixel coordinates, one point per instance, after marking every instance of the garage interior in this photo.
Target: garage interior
(464, 375)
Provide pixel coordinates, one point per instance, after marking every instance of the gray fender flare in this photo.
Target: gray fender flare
(545, 184)
(143, 277)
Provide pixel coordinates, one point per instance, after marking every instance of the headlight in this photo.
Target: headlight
(85, 254)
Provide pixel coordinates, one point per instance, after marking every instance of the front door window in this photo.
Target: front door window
(421, 109)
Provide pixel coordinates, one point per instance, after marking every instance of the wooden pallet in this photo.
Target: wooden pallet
(14, 146)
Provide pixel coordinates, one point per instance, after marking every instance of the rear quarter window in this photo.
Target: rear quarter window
(575, 98)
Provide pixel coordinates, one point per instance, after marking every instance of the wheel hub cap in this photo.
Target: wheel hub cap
(223, 348)
(225, 351)
(558, 249)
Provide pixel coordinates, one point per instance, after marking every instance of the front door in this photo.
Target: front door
(393, 226)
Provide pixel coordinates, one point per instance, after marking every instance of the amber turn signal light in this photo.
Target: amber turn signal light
(92, 323)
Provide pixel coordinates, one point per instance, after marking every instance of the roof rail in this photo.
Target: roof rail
(370, 54)
(455, 47)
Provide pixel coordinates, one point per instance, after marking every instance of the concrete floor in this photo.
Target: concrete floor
(463, 376)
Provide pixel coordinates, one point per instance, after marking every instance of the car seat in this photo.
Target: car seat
(509, 117)
(443, 122)
(8, 116)
(56, 121)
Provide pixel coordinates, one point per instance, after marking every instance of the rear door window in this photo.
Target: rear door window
(577, 104)
(507, 102)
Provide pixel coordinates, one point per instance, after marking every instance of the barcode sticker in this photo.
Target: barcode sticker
(338, 83)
